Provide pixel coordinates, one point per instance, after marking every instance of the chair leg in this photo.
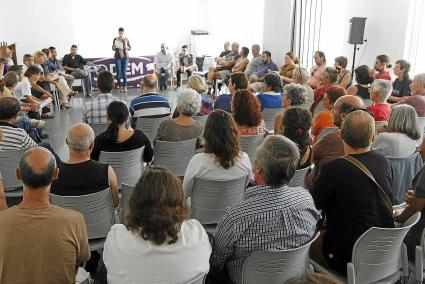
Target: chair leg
(351, 277)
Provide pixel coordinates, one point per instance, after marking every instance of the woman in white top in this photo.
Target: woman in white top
(159, 243)
(403, 134)
(222, 158)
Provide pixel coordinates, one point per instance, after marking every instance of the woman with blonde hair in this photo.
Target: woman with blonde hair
(198, 84)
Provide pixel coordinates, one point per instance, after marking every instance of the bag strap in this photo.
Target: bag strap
(382, 194)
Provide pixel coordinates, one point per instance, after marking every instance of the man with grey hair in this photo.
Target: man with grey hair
(353, 192)
(39, 242)
(223, 63)
(272, 214)
(300, 76)
(255, 60)
(380, 92)
(417, 100)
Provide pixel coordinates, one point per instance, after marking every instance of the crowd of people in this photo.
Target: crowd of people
(343, 127)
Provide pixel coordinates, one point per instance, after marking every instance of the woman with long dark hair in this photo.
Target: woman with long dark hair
(117, 138)
(363, 79)
(247, 113)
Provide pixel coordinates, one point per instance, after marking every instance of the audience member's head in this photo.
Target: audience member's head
(380, 90)
(185, 49)
(272, 82)
(148, 84)
(47, 52)
(235, 47)
(117, 113)
(197, 83)
(344, 105)
(291, 58)
(18, 70)
(28, 60)
(294, 95)
(121, 31)
(226, 46)
(74, 50)
(11, 79)
(276, 161)
(188, 102)
(363, 75)
(39, 57)
(9, 109)
(401, 69)
(80, 140)
(296, 124)
(221, 138)
(300, 75)
(246, 109)
(340, 63)
(244, 51)
(404, 119)
(37, 169)
(33, 73)
(418, 84)
(266, 57)
(329, 76)
(358, 130)
(164, 48)
(382, 62)
(332, 94)
(255, 48)
(105, 81)
(157, 207)
(53, 52)
(319, 58)
(238, 81)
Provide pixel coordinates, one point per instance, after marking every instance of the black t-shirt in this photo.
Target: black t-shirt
(363, 92)
(77, 62)
(137, 140)
(81, 179)
(351, 204)
(401, 88)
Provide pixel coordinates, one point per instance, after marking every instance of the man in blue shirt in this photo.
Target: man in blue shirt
(256, 79)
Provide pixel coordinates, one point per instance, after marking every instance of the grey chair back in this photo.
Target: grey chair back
(126, 192)
(200, 279)
(128, 165)
(405, 169)
(326, 131)
(99, 128)
(150, 126)
(298, 180)
(250, 143)
(9, 161)
(319, 107)
(174, 156)
(269, 115)
(380, 254)
(276, 266)
(421, 125)
(210, 197)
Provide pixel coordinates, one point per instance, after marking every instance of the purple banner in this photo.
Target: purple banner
(136, 69)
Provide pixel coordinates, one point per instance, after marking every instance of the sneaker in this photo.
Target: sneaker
(38, 123)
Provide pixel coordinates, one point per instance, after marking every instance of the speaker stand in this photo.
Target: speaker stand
(354, 59)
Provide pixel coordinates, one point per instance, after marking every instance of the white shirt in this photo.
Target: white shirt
(164, 60)
(23, 88)
(396, 145)
(205, 166)
(130, 259)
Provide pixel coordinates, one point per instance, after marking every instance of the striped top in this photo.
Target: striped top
(267, 219)
(95, 110)
(150, 105)
(15, 138)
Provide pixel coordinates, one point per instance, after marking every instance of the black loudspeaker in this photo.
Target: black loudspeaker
(356, 30)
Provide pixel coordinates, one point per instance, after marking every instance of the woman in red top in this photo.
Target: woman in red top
(328, 79)
(382, 64)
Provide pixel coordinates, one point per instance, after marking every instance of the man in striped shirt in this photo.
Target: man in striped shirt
(150, 104)
(272, 216)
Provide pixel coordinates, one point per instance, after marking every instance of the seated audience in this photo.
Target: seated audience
(46, 243)
(401, 85)
(379, 93)
(95, 109)
(247, 113)
(324, 119)
(225, 51)
(117, 138)
(330, 146)
(344, 76)
(272, 216)
(255, 60)
(363, 79)
(149, 104)
(286, 71)
(198, 84)
(294, 95)
(239, 66)
(187, 64)
(349, 198)
(301, 76)
(3, 204)
(164, 63)
(257, 78)
(417, 100)
(271, 97)
(10, 80)
(238, 82)
(183, 127)
(80, 175)
(222, 157)
(224, 64)
(159, 239)
(403, 133)
(327, 80)
(317, 70)
(381, 66)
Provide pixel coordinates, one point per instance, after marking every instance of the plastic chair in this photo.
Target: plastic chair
(98, 211)
(56, 98)
(276, 266)
(250, 143)
(200, 279)
(419, 260)
(174, 156)
(126, 192)
(150, 126)
(269, 115)
(319, 107)
(128, 165)
(9, 161)
(422, 125)
(298, 180)
(326, 131)
(380, 256)
(407, 168)
(99, 128)
(211, 197)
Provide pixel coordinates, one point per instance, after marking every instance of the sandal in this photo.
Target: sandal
(47, 116)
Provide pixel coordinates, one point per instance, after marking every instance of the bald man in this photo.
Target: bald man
(39, 242)
(330, 147)
(348, 197)
(80, 175)
(164, 62)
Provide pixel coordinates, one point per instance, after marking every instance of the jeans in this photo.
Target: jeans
(179, 72)
(121, 66)
(86, 80)
(163, 76)
(24, 123)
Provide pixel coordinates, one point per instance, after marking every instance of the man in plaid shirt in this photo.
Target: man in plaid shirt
(272, 216)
